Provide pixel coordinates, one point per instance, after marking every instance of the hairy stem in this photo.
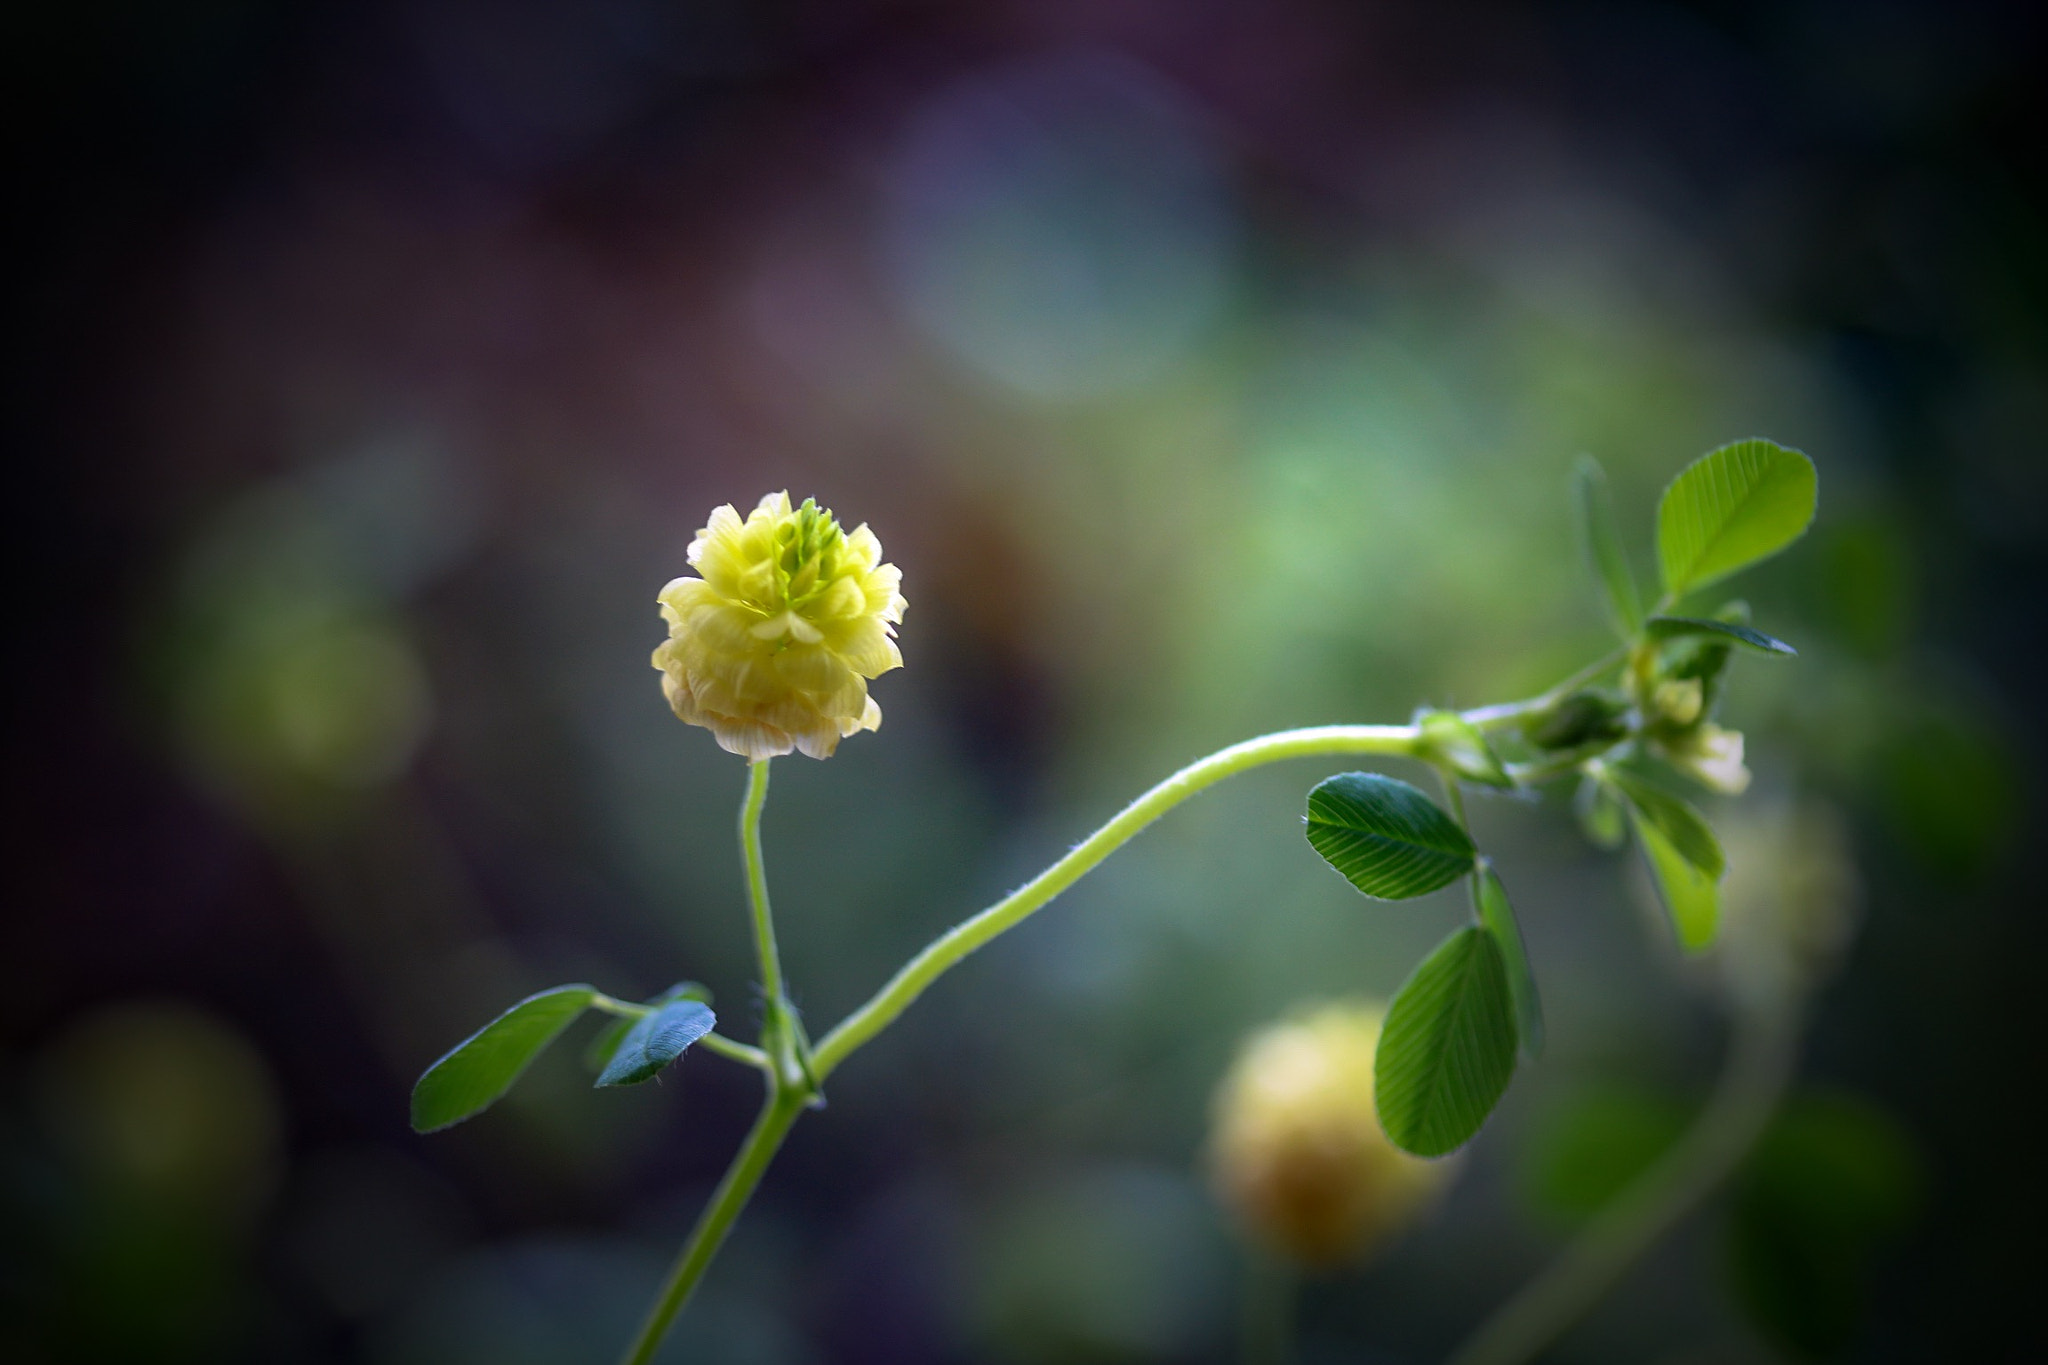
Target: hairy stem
(1760, 1064)
(949, 948)
(795, 1072)
(737, 1186)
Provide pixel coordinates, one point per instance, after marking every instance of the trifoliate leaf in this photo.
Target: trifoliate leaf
(1448, 1049)
(1730, 508)
(602, 1047)
(1387, 838)
(1601, 813)
(1689, 895)
(1685, 828)
(483, 1066)
(1673, 627)
(655, 1041)
(1498, 916)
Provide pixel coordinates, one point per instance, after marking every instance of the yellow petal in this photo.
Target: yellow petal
(867, 648)
(813, 668)
(751, 739)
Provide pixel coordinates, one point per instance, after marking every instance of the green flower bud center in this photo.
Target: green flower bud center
(809, 550)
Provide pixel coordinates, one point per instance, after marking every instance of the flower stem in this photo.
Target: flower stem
(1760, 1064)
(757, 882)
(795, 1071)
(962, 939)
(737, 1186)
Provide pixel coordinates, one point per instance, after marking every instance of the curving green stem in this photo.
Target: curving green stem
(794, 1072)
(956, 943)
(1760, 1064)
(737, 1186)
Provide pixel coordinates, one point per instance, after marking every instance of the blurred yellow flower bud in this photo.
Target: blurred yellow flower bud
(1297, 1149)
(1711, 756)
(772, 648)
(1790, 898)
(1679, 700)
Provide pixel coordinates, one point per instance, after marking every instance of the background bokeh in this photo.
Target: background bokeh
(1207, 368)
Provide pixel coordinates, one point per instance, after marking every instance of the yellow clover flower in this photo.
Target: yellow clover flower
(1297, 1151)
(772, 648)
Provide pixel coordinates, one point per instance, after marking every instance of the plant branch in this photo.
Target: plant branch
(956, 943)
(1508, 712)
(794, 1072)
(749, 1164)
(736, 1051)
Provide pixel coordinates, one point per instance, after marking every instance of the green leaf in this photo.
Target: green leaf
(1594, 511)
(1673, 627)
(655, 1041)
(1390, 840)
(1601, 814)
(1449, 738)
(1683, 827)
(1447, 1051)
(1831, 1184)
(484, 1065)
(1587, 1149)
(1499, 918)
(606, 1043)
(1730, 508)
(1588, 716)
(1689, 895)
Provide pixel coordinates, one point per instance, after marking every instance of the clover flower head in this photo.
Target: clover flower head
(772, 647)
(1297, 1149)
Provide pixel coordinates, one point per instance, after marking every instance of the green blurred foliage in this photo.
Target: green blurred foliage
(1834, 1183)
(164, 1129)
(1590, 1148)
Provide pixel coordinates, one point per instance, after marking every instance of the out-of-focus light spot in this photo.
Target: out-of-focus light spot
(295, 676)
(347, 703)
(318, 691)
(166, 1104)
(1061, 225)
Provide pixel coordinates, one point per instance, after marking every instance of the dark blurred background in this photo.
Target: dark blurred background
(1207, 368)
